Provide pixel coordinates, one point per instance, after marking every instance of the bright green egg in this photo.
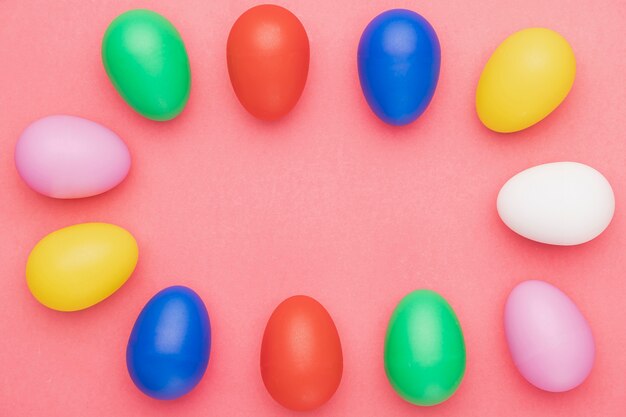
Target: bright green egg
(146, 60)
(424, 349)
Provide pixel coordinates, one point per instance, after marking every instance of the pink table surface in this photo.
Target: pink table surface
(328, 202)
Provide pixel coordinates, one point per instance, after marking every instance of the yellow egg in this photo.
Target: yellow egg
(78, 266)
(526, 78)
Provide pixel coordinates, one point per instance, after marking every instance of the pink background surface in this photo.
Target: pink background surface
(328, 202)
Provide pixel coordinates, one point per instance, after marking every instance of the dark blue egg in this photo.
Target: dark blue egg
(399, 59)
(168, 349)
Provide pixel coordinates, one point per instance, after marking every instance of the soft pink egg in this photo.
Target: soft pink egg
(71, 157)
(548, 337)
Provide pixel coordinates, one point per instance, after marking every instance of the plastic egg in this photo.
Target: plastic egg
(145, 58)
(301, 357)
(548, 337)
(561, 203)
(169, 346)
(424, 349)
(70, 157)
(268, 60)
(78, 266)
(526, 78)
(398, 61)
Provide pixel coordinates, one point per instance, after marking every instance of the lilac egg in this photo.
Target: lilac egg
(548, 337)
(70, 157)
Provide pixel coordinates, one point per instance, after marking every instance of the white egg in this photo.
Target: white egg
(561, 203)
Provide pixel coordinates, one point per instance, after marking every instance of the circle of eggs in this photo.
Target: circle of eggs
(526, 78)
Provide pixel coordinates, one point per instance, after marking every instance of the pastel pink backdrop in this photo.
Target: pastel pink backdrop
(328, 202)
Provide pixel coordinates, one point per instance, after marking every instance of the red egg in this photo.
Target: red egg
(301, 358)
(268, 60)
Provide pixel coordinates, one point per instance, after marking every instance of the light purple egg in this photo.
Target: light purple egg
(71, 157)
(548, 337)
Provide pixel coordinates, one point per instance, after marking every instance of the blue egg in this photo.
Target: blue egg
(399, 59)
(168, 349)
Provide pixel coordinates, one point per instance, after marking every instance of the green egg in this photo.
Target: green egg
(146, 60)
(424, 349)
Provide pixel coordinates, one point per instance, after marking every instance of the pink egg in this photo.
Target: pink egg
(71, 157)
(548, 337)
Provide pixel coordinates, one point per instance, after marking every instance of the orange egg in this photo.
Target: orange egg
(268, 60)
(301, 358)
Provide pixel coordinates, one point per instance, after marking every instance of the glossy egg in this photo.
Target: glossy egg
(146, 60)
(526, 78)
(548, 337)
(424, 349)
(301, 357)
(561, 203)
(169, 346)
(78, 266)
(398, 61)
(70, 157)
(268, 60)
